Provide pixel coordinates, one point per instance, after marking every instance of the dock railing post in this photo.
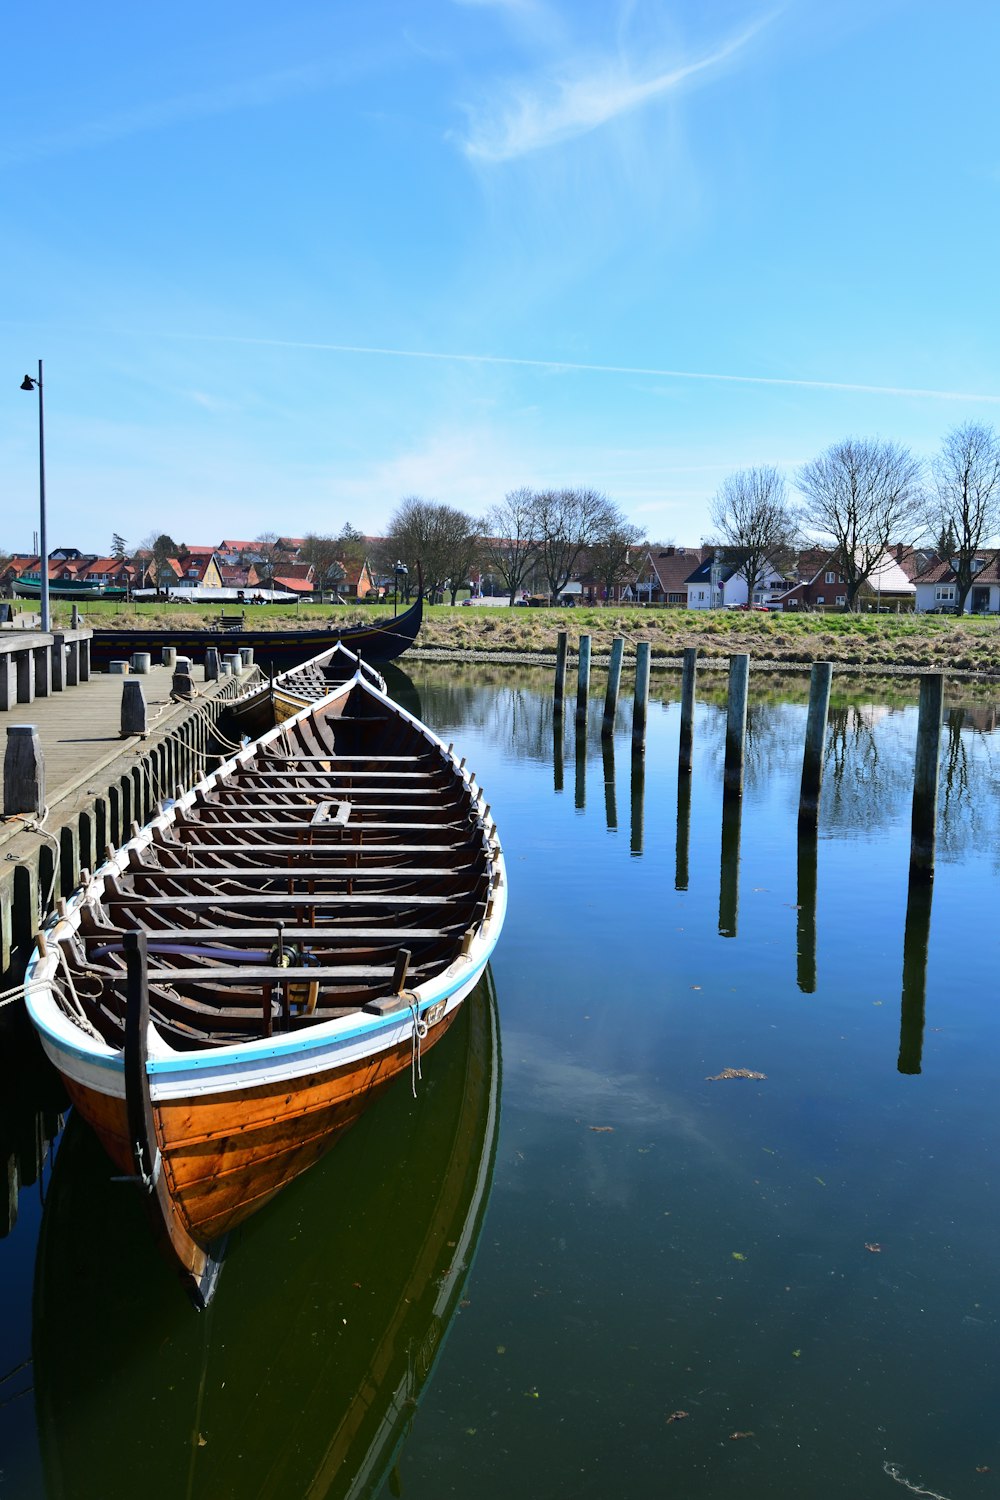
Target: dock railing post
(812, 758)
(583, 680)
(640, 704)
(689, 675)
(614, 683)
(562, 642)
(736, 724)
(23, 771)
(923, 824)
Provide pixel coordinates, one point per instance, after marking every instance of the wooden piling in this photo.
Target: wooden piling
(805, 902)
(212, 664)
(23, 771)
(689, 675)
(562, 641)
(583, 680)
(640, 703)
(614, 683)
(812, 758)
(916, 939)
(736, 724)
(558, 768)
(923, 825)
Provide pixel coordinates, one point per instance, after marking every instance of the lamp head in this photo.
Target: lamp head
(27, 384)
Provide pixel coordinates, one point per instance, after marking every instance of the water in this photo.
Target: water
(632, 1279)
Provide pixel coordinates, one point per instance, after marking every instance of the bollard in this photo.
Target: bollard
(181, 687)
(168, 656)
(246, 655)
(118, 668)
(812, 758)
(133, 719)
(184, 664)
(689, 675)
(560, 688)
(640, 704)
(583, 680)
(736, 724)
(923, 825)
(235, 663)
(614, 683)
(225, 670)
(141, 662)
(23, 772)
(212, 664)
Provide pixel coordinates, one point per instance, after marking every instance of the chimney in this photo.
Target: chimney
(900, 549)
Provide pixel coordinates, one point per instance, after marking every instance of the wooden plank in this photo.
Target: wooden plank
(341, 846)
(109, 937)
(274, 898)
(298, 872)
(254, 973)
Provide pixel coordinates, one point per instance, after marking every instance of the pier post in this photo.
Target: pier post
(76, 621)
(640, 703)
(8, 680)
(168, 656)
(58, 661)
(729, 866)
(736, 724)
(562, 641)
(689, 673)
(805, 901)
(23, 771)
(812, 758)
(43, 671)
(682, 850)
(235, 663)
(212, 664)
(246, 655)
(614, 683)
(133, 717)
(916, 939)
(923, 825)
(72, 663)
(83, 659)
(25, 676)
(583, 680)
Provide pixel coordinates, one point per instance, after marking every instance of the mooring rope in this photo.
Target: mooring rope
(416, 1037)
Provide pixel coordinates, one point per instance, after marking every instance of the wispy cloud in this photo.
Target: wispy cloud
(571, 366)
(247, 93)
(533, 119)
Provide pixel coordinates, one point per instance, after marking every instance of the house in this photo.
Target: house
(294, 578)
(662, 574)
(199, 569)
(820, 583)
(937, 588)
(717, 584)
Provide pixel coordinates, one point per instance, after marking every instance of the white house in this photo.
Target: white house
(937, 589)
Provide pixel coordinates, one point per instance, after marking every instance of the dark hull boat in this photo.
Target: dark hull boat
(231, 989)
(304, 1376)
(381, 641)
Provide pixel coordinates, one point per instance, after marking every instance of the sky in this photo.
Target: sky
(286, 265)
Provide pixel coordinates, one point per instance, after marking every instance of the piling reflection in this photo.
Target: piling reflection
(303, 1377)
(32, 1105)
(729, 881)
(558, 764)
(610, 796)
(580, 792)
(638, 801)
(683, 849)
(916, 937)
(805, 898)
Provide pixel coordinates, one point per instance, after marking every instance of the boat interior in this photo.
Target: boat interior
(345, 862)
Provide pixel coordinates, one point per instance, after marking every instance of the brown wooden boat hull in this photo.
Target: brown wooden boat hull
(224, 1155)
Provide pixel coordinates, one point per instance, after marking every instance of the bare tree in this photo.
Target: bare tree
(442, 539)
(567, 522)
(860, 494)
(611, 557)
(755, 523)
(323, 555)
(966, 507)
(270, 554)
(509, 547)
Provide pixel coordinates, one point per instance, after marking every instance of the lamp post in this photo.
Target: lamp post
(28, 384)
(399, 571)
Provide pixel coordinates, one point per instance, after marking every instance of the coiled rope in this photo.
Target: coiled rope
(416, 1037)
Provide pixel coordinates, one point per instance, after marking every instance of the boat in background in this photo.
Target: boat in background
(228, 992)
(274, 650)
(305, 1376)
(288, 693)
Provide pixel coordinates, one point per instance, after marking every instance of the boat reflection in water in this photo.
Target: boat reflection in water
(303, 1375)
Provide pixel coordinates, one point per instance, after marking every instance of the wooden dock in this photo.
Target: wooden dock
(96, 785)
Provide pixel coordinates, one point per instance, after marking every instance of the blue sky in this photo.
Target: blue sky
(288, 264)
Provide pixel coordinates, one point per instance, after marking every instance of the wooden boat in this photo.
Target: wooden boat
(230, 989)
(305, 1376)
(274, 650)
(289, 692)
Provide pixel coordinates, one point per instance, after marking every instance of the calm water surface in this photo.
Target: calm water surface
(594, 1271)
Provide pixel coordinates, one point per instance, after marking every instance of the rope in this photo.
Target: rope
(7, 997)
(35, 826)
(76, 1011)
(416, 1037)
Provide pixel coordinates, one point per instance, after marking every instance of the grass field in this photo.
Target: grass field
(864, 641)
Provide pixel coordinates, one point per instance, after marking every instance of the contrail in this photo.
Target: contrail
(595, 369)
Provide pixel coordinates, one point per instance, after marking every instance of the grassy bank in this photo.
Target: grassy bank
(868, 642)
